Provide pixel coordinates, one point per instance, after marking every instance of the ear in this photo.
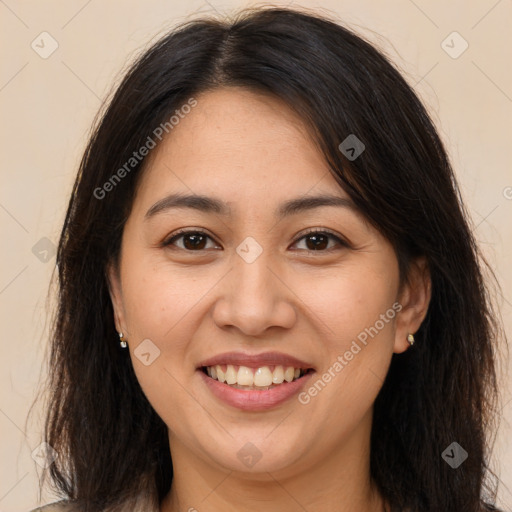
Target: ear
(116, 296)
(414, 298)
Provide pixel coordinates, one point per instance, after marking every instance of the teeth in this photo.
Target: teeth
(230, 375)
(278, 375)
(263, 377)
(245, 377)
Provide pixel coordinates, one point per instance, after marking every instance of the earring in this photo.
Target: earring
(122, 341)
(410, 339)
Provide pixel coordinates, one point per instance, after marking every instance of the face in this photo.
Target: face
(258, 269)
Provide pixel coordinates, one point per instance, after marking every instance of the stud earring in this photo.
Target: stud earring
(410, 339)
(122, 341)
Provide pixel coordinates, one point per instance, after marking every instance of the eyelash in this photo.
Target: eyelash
(181, 233)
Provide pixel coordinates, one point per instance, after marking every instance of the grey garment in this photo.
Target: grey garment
(58, 506)
(138, 504)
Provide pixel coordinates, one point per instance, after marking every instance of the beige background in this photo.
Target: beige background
(47, 106)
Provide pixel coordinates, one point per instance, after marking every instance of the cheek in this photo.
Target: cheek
(159, 300)
(355, 313)
(350, 301)
(161, 306)
(338, 307)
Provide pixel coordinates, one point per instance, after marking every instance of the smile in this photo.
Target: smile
(261, 378)
(254, 398)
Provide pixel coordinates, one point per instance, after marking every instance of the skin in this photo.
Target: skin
(252, 152)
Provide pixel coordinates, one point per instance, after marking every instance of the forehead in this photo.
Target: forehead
(240, 145)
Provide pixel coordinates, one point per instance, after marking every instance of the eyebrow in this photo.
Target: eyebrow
(212, 205)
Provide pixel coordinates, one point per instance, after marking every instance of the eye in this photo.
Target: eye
(193, 240)
(196, 240)
(318, 240)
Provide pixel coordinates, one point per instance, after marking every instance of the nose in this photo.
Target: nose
(254, 297)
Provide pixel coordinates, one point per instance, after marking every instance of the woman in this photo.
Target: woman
(269, 292)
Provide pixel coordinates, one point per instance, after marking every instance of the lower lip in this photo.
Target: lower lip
(255, 400)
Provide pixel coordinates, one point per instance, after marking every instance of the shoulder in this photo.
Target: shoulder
(58, 506)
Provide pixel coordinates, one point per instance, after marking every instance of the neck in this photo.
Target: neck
(339, 480)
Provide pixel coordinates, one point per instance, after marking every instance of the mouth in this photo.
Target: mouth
(261, 378)
(254, 382)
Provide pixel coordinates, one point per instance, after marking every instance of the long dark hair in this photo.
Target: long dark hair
(112, 445)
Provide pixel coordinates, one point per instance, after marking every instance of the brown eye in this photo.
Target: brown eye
(191, 240)
(198, 240)
(319, 241)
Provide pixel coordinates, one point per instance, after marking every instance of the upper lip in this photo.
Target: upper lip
(256, 360)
